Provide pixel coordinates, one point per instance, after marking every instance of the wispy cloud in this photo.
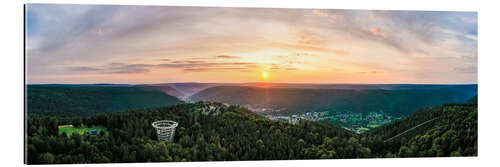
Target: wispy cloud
(368, 72)
(191, 66)
(188, 62)
(228, 57)
(214, 69)
(165, 59)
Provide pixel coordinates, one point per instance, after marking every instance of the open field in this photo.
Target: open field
(70, 129)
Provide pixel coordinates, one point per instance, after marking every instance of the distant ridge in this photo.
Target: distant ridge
(78, 100)
(83, 85)
(165, 89)
(401, 100)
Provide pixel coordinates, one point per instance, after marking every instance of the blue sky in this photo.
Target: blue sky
(154, 44)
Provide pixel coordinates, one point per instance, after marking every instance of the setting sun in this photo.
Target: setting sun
(264, 75)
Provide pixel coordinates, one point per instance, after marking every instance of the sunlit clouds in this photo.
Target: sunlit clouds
(145, 44)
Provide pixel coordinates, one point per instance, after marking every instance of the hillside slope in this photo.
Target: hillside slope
(448, 130)
(165, 89)
(85, 101)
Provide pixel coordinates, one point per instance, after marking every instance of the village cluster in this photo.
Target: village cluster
(356, 122)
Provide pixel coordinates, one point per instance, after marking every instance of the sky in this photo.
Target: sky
(74, 44)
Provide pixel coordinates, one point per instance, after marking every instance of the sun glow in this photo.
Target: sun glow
(264, 75)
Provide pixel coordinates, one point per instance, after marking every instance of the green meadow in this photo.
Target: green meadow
(70, 129)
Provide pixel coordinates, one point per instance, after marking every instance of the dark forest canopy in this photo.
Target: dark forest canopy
(85, 100)
(234, 133)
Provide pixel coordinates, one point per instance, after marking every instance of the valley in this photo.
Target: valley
(357, 108)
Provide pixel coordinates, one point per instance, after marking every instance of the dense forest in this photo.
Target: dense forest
(398, 102)
(448, 130)
(235, 133)
(86, 100)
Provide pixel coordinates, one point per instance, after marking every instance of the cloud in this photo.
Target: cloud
(320, 13)
(196, 65)
(189, 66)
(374, 31)
(214, 69)
(368, 72)
(470, 69)
(188, 62)
(114, 68)
(84, 69)
(116, 64)
(309, 48)
(228, 57)
(129, 71)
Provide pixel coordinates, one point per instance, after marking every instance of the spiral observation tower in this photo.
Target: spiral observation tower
(165, 130)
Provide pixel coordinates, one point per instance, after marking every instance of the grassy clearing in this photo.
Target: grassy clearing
(364, 129)
(70, 129)
(373, 126)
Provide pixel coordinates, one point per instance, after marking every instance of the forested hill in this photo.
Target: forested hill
(83, 100)
(165, 89)
(400, 102)
(224, 133)
(212, 131)
(448, 130)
